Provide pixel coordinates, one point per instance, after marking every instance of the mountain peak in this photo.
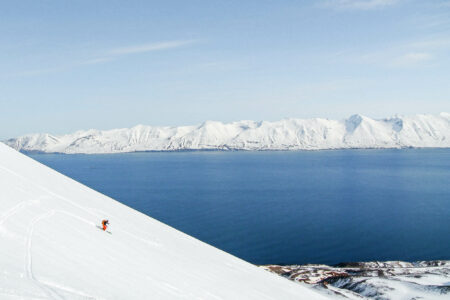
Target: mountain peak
(353, 122)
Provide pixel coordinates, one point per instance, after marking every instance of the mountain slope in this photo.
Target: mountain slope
(50, 247)
(425, 280)
(289, 134)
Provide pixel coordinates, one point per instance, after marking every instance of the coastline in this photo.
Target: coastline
(379, 280)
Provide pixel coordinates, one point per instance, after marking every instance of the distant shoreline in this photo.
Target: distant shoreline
(233, 150)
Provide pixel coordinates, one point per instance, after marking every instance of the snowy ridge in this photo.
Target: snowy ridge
(290, 134)
(375, 280)
(50, 248)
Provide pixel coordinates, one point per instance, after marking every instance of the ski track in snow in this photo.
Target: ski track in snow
(13, 295)
(75, 205)
(29, 258)
(16, 208)
(49, 287)
(79, 294)
(47, 191)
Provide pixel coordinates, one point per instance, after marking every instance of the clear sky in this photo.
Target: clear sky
(69, 65)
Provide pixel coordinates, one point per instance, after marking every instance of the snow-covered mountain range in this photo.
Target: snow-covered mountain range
(51, 248)
(289, 134)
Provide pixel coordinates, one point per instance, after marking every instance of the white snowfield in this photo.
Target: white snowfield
(50, 248)
(289, 134)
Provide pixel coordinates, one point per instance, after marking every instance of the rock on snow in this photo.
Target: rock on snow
(375, 280)
(50, 247)
(289, 134)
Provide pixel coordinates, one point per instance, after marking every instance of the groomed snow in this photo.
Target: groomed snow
(290, 134)
(50, 248)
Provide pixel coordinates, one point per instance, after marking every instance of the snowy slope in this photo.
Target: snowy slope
(50, 248)
(289, 134)
(375, 280)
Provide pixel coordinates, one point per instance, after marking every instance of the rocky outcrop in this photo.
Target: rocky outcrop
(375, 280)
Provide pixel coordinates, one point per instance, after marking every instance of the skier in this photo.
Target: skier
(104, 224)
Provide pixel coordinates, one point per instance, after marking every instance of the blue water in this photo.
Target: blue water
(286, 207)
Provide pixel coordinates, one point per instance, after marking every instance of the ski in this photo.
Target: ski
(100, 227)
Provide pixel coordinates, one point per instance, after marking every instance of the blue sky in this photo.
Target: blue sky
(69, 65)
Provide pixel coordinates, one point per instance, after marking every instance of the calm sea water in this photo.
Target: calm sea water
(286, 207)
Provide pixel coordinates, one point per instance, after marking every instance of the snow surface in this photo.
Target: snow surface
(289, 134)
(50, 247)
(375, 280)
